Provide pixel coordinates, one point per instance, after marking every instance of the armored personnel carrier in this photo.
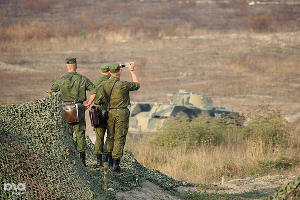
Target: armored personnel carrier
(150, 116)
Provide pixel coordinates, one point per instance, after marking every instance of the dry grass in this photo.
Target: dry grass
(208, 164)
(22, 38)
(258, 148)
(168, 19)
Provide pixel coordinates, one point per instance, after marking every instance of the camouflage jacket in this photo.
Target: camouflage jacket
(120, 94)
(67, 85)
(98, 83)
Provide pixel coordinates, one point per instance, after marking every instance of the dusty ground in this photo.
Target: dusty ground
(249, 188)
(265, 184)
(148, 191)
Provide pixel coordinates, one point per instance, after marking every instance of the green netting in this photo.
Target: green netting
(291, 191)
(36, 150)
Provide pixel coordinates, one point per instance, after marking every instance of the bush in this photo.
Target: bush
(269, 130)
(279, 164)
(191, 134)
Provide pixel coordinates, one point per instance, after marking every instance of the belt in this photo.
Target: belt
(118, 108)
(73, 102)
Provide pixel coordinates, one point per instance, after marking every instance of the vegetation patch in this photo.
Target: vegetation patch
(206, 150)
(191, 134)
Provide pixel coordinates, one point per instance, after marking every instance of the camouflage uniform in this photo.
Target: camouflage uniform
(67, 85)
(100, 130)
(118, 116)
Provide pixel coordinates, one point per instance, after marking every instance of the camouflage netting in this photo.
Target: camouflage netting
(291, 191)
(36, 150)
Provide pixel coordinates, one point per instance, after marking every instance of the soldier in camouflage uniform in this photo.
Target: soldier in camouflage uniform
(67, 85)
(118, 115)
(100, 130)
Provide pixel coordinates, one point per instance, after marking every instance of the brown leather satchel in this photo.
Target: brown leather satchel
(94, 116)
(71, 110)
(98, 116)
(71, 113)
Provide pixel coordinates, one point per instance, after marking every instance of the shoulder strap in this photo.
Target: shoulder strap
(108, 97)
(77, 96)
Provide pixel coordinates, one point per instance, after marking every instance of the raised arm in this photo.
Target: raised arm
(133, 75)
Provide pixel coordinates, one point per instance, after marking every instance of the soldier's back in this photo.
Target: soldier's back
(73, 86)
(99, 81)
(119, 96)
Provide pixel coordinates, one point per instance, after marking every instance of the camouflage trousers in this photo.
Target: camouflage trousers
(99, 144)
(118, 121)
(79, 129)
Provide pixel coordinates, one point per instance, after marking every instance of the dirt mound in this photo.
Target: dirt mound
(36, 151)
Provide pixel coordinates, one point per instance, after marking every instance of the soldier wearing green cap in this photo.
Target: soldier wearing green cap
(118, 114)
(68, 86)
(100, 130)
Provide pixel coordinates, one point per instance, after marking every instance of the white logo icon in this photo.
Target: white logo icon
(16, 189)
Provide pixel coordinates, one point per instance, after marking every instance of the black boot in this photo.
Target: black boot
(105, 157)
(116, 165)
(82, 156)
(110, 160)
(99, 160)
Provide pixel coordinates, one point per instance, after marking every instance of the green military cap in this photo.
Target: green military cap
(114, 67)
(71, 60)
(105, 67)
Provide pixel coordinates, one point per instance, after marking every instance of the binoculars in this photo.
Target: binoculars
(127, 64)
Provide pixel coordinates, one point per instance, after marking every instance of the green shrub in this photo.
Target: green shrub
(279, 164)
(269, 130)
(191, 134)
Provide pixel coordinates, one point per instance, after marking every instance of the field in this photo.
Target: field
(244, 56)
